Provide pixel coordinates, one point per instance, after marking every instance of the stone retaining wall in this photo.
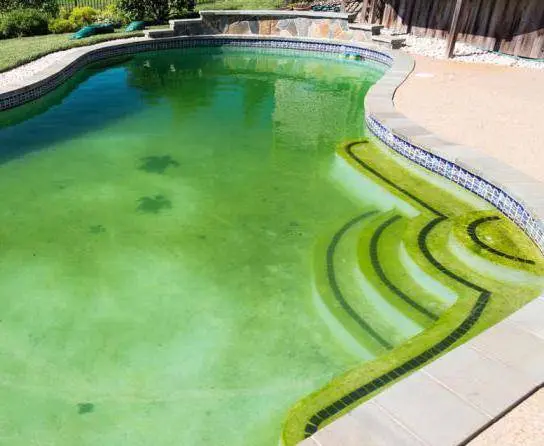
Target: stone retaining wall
(334, 26)
(273, 23)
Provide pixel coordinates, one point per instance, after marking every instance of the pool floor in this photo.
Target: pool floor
(158, 233)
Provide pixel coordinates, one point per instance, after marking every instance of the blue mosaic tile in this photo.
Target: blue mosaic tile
(497, 197)
(41, 88)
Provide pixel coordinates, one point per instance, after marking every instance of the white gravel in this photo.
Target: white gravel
(436, 48)
(25, 72)
(32, 68)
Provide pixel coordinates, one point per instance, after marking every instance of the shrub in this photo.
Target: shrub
(179, 7)
(155, 10)
(23, 22)
(133, 9)
(83, 16)
(112, 14)
(158, 10)
(64, 13)
(50, 7)
(61, 26)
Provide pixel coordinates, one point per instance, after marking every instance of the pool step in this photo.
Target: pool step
(368, 287)
(425, 247)
(158, 33)
(341, 289)
(472, 238)
(384, 260)
(187, 27)
(373, 29)
(393, 42)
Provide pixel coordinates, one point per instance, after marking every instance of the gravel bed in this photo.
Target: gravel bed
(436, 48)
(30, 69)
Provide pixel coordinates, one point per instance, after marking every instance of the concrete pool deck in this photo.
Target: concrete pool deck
(494, 105)
(471, 389)
(521, 427)
(493, 108)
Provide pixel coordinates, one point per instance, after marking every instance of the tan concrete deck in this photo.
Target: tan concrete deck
(524, 426)
(497, 109)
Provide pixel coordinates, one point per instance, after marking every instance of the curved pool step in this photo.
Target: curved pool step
(473, 239)
(373, 318)
(383, 258)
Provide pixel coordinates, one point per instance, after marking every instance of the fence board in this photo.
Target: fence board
(511, 26)
(97, 4)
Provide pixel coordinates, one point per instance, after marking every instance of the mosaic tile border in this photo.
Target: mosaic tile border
(31, 92)
(500, 199)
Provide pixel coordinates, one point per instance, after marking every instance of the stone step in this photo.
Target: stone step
(393, 41)
(180, 23)
(159, 33)
(352, 16)
(393, 32)
(374, 29)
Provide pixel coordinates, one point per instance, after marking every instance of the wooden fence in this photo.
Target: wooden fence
(511, 26)
(97, 4)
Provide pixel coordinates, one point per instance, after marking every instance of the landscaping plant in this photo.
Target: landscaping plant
(23, 22)
(50, 7)
(155, 10)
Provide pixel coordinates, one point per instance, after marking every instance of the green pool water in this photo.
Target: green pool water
(203, 247)
(159, 219)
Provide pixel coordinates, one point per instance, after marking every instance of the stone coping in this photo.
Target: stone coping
(516, 195)
(276, 13)
(40, 83)
(432, 406)
(454, 398)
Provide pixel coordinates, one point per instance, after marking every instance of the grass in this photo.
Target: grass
(16, 52)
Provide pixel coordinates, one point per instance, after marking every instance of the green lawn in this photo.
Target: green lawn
(15, 52)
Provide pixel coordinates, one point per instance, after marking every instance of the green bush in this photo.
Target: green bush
(61, 26)
(133, 9)
(178, 7)
(50, 7)
(64, 13)
(23, 22)
(112, 14)
(82, 16)
(155, 10)
(184, 14)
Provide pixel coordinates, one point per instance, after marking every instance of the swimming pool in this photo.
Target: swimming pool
(194, 240)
